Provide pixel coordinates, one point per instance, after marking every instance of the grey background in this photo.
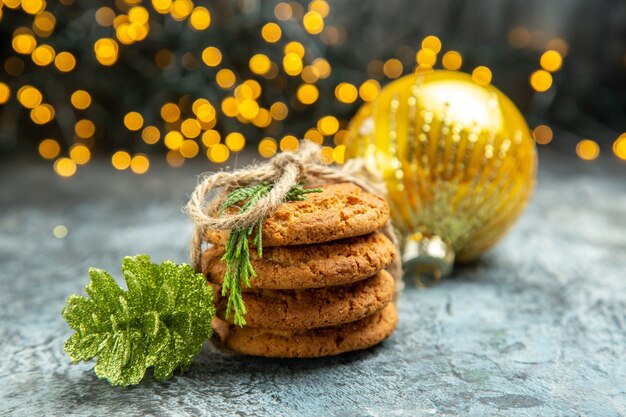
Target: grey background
(537, 327)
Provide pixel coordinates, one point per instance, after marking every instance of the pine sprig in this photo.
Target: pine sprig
(237, 255)
(162, 320)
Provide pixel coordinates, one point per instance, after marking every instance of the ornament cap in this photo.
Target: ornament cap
(427, 258)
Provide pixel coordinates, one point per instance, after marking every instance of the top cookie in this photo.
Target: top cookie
(339, 211)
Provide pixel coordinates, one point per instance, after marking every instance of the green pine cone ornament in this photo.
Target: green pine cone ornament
(162, 320)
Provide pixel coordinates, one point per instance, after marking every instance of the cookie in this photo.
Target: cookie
(321, 307)
(300, 267)
(327, 341)
(339, 211)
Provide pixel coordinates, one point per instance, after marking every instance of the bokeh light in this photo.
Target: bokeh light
(587, 149)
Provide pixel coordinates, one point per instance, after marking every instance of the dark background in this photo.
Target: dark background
(587, 98)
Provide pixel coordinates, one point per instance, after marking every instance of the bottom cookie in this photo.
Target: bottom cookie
(326, 341)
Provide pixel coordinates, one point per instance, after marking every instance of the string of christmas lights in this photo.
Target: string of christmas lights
(181, 79)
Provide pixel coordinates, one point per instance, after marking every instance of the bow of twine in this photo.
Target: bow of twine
(284, 171)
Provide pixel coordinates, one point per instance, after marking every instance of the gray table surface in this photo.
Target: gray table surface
(536, 328)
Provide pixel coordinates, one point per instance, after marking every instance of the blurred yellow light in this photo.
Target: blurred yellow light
(452, 60)
(230, 107)
(43, 55)
(42, 114)
(323, 67)
(283, 11)
(551, 61)
(326, 155)
(271, 32)
(84, 128)
(426, 57)
(210, 138)
(138, 15)
(173, 140)
(200, 18)
(106, 50)
(243, 91)
(29, 96)
(341, 137)
(65, 61)
(133, 121)
(313, 22)
(24, 43)
(559, 45)
(541, 80)
(294, 48)
(619, 147)
(120, 20)
(49, 148)
(12, 4)
(80, 154)
(208, 125)
(181, 9)
(289, 143)
(433, 43)
(174, 159)
(307, 94)
(320, 6)
(519, 37)
(43, 25)
(542, 134)
(206, 112)
(259, 64)
(33, 6)
(346, 93)
(339, 154)
(105, 16)
(263, 119)
(190, 128)
(65, 167)
(235, 141)
(248, 108)
(393, 68)
(279, 110)
(218, 153)
(314, 136)
(267, 147)
(273, 72)
(225, 78)
(80, 99)
(139, 164)
(587, 149)
(150, 135)
(292, 64)
(211, 56)
(120, 160)
(369, 90)
(5, 93)
(162, 6)
(189, 148)
(328, 125)
(138, 31)
(310, 74)
(170, 112)
(481, 75)
(254, 86)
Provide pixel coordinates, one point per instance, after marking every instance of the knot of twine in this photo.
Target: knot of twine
(284, 170)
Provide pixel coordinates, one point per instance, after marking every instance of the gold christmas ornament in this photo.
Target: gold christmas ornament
(459, 162)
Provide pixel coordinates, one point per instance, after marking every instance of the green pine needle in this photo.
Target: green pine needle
(162, 320)
(239, 270)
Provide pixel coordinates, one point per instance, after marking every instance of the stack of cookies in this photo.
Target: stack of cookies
(321, 287)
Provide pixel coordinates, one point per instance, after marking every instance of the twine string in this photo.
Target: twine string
(284, 170)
